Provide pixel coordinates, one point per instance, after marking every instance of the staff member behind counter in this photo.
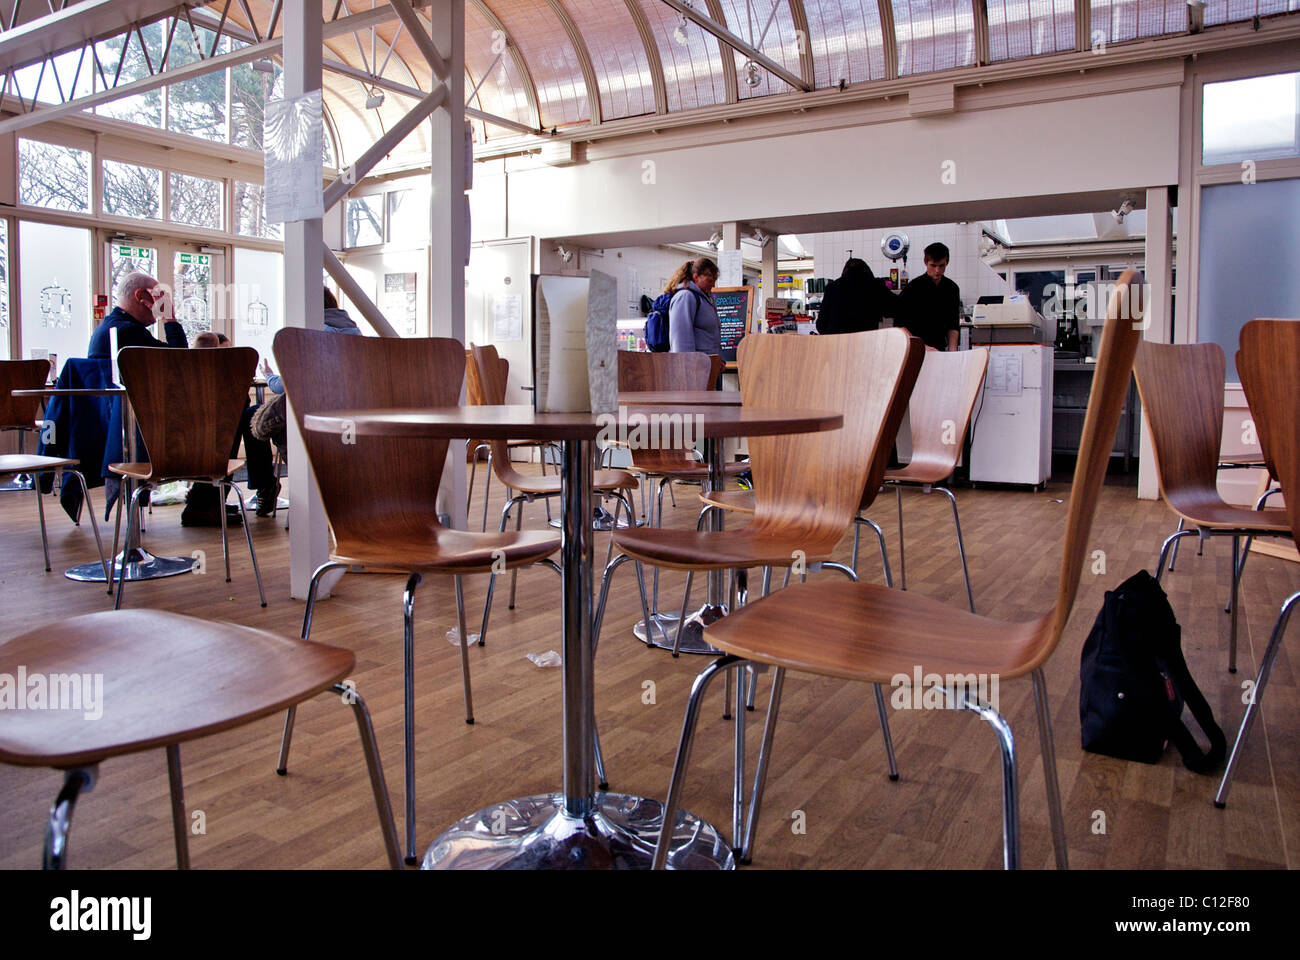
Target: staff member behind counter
(930, 306)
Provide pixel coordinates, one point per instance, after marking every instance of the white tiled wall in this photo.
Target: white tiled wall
(638, 270)
(965, 268)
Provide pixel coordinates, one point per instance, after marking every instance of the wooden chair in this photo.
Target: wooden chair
(187, 404)
(522, 488)
(860, 631)
(475, 397)
(938, 415)
(1182, 399)
(1267, 363)
(806, 486)
(138, 680)
(380, 493)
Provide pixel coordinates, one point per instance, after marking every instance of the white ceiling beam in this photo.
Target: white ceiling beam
(73, 27)
(799, 17)
(517, 55)
(887, 36)
(733, 41)
(584, 59)
(416, 27)
(652, 55)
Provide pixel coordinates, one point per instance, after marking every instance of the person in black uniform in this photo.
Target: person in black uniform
(930, 306)
(855, 302)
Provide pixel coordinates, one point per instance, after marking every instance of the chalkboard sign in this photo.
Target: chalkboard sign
(735, 309)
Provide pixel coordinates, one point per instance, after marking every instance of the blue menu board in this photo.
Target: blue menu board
(735, 309)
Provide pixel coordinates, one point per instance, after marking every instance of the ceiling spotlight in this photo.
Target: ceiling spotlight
(753, 75)
(1124, 210)
(679, 31)
(714, 241)
(375, 100)
(264, 66)
(761, 238)
(565, 255)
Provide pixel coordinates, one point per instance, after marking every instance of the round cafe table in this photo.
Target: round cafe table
(577, 827)
(140, 563)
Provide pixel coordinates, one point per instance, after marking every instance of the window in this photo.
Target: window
(124, 57)
(4, 289)
(53, 176)
(408, 216)
(197, 201)
(1253, 119)
(55, 288)
(363, 221)
(258, 307)
(197, 107)
(132, 191)
(250, 212)
(250, 88)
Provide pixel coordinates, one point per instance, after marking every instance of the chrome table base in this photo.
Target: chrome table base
(143, 565)
(692, 640)
(22, 481)
(665, 625)
(535, 833)
(602, 520)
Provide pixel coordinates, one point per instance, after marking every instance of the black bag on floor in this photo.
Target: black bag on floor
(1134, 682)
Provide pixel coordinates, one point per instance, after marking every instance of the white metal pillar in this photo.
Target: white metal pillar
(304, 307)
(451, 171)
(1159, 321)
(770, 250)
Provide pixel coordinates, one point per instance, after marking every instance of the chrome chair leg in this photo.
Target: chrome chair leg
(464, 650)
(286, 738)
(75, 780)
(1010, 789)
(375, 767)
(884, 552)
(961, 547)
(1170, 541)
(94, 525)
(738, 769)
(686, 599)
(746, 854)
(1232, 629)
(222, 492)
(1182, 525)
(487, 485)
(1048, 746)
(180, 828)
(902, 557)
(117, 528)
(883, 713)
(248, 535)
(514, 574)
(408, 717)
(132, 517)
(678, 782)
(487, 609)
(40, 509)
(1252, 708)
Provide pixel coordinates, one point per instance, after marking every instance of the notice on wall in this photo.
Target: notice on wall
(292, 143)
(730, 268)
(1006, 374)
(507, 318)
(400, 304)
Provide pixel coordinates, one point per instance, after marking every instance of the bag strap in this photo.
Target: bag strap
(1180, 736)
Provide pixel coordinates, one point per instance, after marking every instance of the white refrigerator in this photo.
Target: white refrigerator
(1011, 440)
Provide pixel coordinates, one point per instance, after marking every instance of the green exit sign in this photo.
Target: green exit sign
(140, 253)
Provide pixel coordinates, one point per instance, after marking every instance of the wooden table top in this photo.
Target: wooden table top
(510, 422)
(70, 392)
(693, 398)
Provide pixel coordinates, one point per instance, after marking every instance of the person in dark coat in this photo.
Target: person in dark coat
(141, 302)
(855, 302)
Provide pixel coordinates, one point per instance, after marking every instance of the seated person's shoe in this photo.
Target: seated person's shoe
(201, 506)
(266, 500)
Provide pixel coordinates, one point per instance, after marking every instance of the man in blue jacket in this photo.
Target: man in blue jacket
(141, 302)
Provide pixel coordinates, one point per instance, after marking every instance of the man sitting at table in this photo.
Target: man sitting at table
(141, 302)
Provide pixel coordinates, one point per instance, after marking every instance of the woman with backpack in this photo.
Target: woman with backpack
(693, 324)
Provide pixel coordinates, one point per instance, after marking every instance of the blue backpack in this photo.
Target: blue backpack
(656, 323)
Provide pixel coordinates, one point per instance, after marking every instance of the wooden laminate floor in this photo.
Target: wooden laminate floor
(828, 804)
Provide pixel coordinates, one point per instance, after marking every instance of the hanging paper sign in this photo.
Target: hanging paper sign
(292, 142)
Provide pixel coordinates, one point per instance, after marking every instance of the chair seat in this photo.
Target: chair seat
(737, 501)
(30, 463)
(1205, 509)
(754, 545)
(438, 549)
(860, 631)
(604, 481)
(144, 471)
(167, 679)
(701, 472)
(920, 472)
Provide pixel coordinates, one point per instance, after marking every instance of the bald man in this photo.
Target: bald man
(141, 302)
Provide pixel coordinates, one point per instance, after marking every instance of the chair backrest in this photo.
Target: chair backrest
(810, 484)
(716, 363)
(1182, 399)
(669, 372)
(916, 354)
(474, 385)
(21, 375)
(1267, 363)
(1110, 382)
(942, 402)
(375, 483)
(187, 404)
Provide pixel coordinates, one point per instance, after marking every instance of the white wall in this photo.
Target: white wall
(638, 270)
(965, 267)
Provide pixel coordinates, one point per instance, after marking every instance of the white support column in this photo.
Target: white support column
(1159, 257)
(731, 236)
(770, 250)
(303, 246)
(449, 169)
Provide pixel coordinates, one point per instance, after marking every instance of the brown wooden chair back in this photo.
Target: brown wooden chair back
(1267, 364)
(373, 482)
(670, 372)
(916, 354)
(812, 483)
(716, 363)
(942, 403)
(1119, 342)
(21, 412)
(491, 371)
(187, 404)
(1181, 387)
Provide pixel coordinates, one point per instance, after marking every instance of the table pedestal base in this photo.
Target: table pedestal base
(692, 633)
(22, 481)
(142, 565)
(602, 520)
(534, 833)
(665, 626)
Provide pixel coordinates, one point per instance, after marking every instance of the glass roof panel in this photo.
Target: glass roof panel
(551, 59)
(692, 62)
(1232, 11)
(502, 93)
(748, 19)
(933, 35)
(1027, 28)
(1114, 21)
(846, 41)
(617, 56)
